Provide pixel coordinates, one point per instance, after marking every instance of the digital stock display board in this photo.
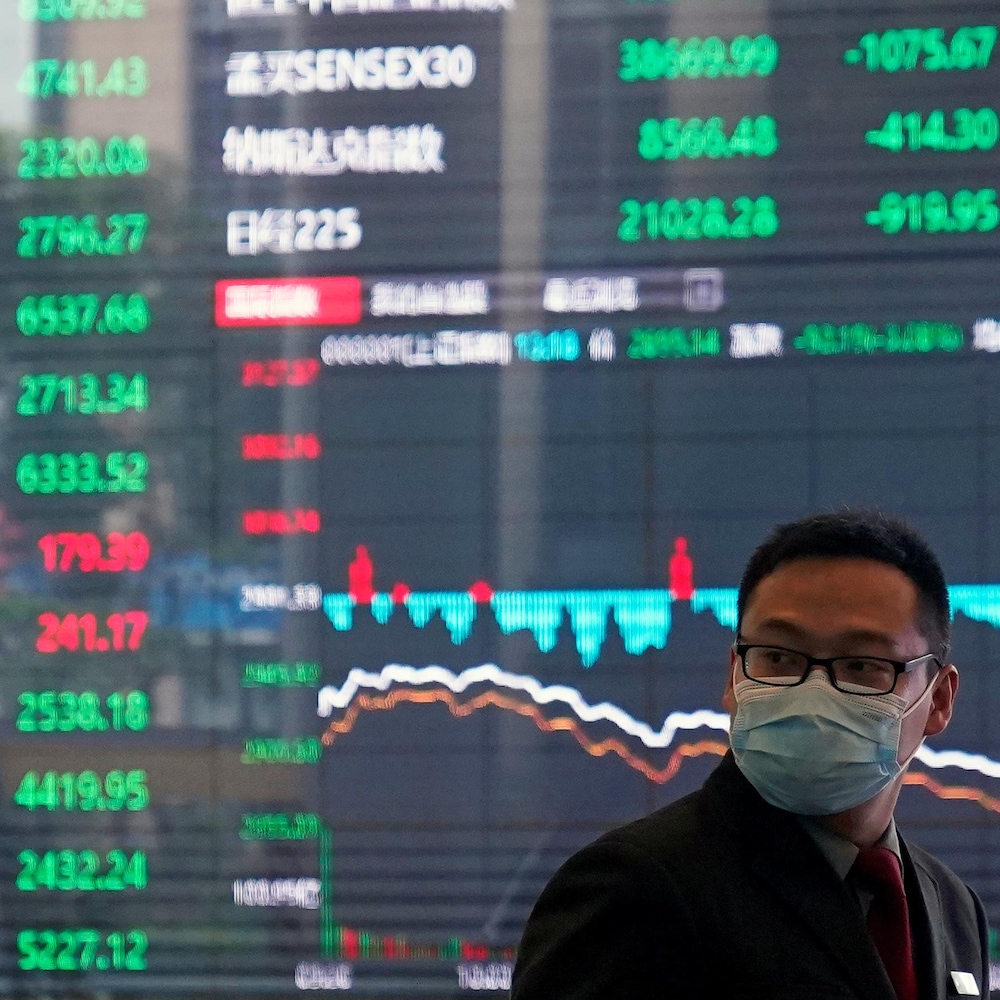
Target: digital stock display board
(392, 391)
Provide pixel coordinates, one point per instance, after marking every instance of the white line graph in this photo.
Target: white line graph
(331, 698)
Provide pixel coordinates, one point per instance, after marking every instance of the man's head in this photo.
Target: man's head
(838, 612)
(859, 535)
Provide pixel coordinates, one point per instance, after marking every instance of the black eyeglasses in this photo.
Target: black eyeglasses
(782, 667)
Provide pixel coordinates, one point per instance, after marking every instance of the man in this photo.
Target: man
(763, 883)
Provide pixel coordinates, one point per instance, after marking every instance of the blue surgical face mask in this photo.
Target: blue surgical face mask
(812, 750)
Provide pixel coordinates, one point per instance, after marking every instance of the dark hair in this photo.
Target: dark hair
(863, 534)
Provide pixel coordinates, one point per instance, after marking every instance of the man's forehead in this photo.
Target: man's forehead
(865, 589)
(833, 574)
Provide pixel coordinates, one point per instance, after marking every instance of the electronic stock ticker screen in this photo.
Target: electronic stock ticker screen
(392, 392)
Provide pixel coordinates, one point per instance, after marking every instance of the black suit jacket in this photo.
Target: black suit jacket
(722, 896)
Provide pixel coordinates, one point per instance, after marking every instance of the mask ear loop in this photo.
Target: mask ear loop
(931, 684)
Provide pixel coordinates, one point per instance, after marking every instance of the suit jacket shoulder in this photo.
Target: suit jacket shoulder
(716, 895)
(613, 918)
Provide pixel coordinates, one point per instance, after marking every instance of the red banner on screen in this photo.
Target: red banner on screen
(288, 302)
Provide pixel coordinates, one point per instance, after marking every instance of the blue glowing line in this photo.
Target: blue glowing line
(643, 617)
(721, 602)
(456, 608)
(978, 601)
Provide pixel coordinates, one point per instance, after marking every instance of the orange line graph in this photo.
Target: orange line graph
(461, 710)
(976, 795)
(596, 748)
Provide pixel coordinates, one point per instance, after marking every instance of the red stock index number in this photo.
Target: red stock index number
(64, 551)
(86, 633)
(273, 372)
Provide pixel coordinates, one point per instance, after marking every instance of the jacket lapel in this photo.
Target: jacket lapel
(785, 857)
(804, 879)
(924, 904)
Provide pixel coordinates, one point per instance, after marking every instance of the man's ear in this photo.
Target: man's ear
(942, 700)
(728, 698)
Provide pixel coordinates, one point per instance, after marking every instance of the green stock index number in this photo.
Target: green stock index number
(913, 131)
(85, 394)
(936, 212)
(83, 711)
(914, 337)
(80, 10)
(696, 58)
(72, 315)
(81, 950)
(83, 871)
(84, 791)
(906, 49)
(711, 138)
(82, 472)
(118, 235)
(651, 343)
(127, 76)
(698, 218)
(66, 158)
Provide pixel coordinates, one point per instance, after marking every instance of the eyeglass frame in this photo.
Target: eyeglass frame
(899, 666)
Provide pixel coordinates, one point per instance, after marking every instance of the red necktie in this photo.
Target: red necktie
(888, 918)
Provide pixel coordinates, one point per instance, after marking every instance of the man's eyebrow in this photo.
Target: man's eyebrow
(782, 625)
